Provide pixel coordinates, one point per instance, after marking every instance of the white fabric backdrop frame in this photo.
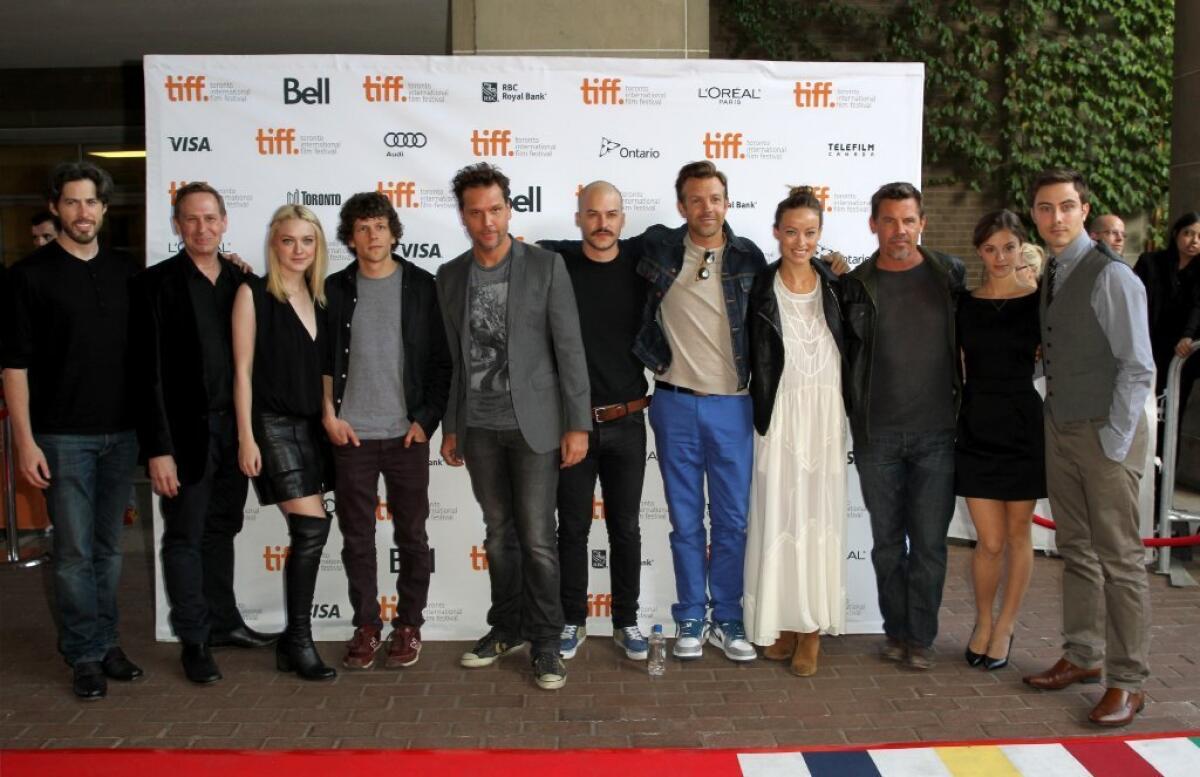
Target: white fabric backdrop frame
(268, 130)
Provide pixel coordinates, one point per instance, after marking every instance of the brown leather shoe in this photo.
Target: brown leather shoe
(1117, 707)
(361, 649)
(1062, 674)
(804, 660)
(783, 648)
(404, 647)
(893, 650)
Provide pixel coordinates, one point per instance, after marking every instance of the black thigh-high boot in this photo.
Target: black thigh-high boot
(295, 651)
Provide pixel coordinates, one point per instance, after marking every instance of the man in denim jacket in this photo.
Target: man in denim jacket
(693, 338)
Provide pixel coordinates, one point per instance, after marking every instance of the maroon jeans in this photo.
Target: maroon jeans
(406, 479)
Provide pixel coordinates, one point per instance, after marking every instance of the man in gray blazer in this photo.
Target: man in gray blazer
(519, 409)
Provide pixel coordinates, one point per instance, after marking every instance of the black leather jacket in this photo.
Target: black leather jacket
(860, 312)
(766, 337)
(426, 357)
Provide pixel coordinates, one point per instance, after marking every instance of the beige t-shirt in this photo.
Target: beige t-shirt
(696, 323)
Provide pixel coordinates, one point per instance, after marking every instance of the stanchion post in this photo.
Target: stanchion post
(1166, 493)
(15, 556)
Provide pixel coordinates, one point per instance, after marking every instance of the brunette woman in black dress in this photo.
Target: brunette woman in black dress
(1000, 452)
(278, 334)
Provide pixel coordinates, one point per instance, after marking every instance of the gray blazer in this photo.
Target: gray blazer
(546, 367)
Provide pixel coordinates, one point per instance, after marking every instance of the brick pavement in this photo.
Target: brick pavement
(608, 701)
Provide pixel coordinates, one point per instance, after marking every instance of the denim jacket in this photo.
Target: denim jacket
(662, 258)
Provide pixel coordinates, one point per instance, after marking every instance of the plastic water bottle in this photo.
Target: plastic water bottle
(657, 663)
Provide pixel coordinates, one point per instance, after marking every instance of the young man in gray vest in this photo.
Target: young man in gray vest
(1099, 372)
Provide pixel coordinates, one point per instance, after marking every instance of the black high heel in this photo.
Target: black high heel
(973, 658)
(992, 664)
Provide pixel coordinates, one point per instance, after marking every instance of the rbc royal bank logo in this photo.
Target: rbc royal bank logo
(384, 89)
(186, 89)
(493, 142)
(601, 91)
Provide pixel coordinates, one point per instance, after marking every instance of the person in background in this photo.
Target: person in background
(1029, 270)
(43, 228)
(1110, 230)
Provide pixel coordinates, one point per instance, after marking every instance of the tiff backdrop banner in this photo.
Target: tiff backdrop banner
(271, 130)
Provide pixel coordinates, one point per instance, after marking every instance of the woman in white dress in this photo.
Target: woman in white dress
(795, 568)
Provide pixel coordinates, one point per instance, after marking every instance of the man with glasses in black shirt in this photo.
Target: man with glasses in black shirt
(183, 362)
(65, 348)
(610, 296)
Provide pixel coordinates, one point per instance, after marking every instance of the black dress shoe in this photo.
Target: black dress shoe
(242, 636)
(89, 682)
(117, 666)
(198, 664)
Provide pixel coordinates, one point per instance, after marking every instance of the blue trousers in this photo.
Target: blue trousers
(699, 438)
(90, 479)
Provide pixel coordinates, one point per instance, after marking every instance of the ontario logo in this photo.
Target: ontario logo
(384, 89)
(610, 147)
(402, 194)
(601, 91)
(186, 89)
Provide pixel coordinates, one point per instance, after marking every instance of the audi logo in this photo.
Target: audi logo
(405, 140)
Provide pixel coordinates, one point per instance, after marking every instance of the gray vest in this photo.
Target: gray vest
(1081, 372)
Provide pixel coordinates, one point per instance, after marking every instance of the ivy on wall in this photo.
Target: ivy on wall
(1011, 87)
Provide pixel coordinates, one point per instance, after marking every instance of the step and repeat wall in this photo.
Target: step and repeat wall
(313, 130)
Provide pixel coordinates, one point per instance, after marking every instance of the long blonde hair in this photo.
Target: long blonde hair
(314, 276)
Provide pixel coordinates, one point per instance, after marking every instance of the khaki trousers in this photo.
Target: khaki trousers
(1106, 593)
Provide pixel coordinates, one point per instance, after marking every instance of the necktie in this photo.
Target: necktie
(1051, 276)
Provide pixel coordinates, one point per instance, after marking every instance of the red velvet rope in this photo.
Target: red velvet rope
(1149, 542)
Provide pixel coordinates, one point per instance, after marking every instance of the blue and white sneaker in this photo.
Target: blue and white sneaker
(631, 640)
(571, 638)
(730, 636)
(689, 639)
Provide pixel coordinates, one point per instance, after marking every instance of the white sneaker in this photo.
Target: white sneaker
(730, 636)
(689, 639)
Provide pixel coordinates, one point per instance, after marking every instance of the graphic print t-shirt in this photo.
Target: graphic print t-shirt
(489, 399)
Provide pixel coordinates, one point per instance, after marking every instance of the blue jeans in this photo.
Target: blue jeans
(908, 486)
(516, 488)
(699, 437)
(90, 480)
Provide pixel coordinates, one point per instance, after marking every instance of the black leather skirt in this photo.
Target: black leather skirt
(294, 462)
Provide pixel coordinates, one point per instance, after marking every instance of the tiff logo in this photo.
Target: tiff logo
(822, 195)
(723, 145)
(478, 559)
(186, 89)
(597, 509)
(174, 188)
(402, 194)
(491, 142)
(599, 605)
(814, 94)
(274, 556)
(273, 142)
(602, 91)
(384, 89)
(387, 607)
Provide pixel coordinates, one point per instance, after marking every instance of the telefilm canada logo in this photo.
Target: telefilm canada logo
(850, 150)
(615, 148)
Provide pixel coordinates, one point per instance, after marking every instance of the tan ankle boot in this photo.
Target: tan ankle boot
(804, 660)
(783, 648)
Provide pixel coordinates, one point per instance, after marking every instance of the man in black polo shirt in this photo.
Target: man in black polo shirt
(183, 367)
(66, 328)
(610, 296)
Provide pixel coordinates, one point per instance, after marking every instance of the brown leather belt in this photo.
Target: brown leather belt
(619, 410)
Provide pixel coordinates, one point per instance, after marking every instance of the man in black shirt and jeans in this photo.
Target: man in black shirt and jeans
(66, 331)
(610, 296)
(183, 362)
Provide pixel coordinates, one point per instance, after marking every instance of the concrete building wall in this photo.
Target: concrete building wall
(1185, 127)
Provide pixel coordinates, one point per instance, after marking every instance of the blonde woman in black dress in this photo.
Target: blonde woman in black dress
(278, 334)
(1000, 451)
